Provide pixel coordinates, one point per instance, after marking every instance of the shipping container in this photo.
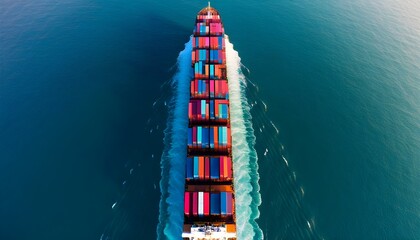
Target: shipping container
(215, 203)
(195, 203)
(189, 172)
(214, 168)
(201, 167)
(207, 168)
(229, 208)
(229, 167)
(196, 170)
(187, 203)
(201, 204)
(223, 203)
(206, 203)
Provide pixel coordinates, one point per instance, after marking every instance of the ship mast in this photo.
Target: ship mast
(208, 11)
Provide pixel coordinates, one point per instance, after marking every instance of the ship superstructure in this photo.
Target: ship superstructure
(209, 198)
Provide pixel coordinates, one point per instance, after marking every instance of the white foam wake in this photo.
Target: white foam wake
(171, 216)
(244, 155)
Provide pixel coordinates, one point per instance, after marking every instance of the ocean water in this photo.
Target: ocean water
(333, 91)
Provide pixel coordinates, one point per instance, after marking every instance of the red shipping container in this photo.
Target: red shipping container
(196, 86)
(222, 168)
(229, 137)
(216, 138)
(212, 86)
(195, 203)
(187, 203)
(193, 108)
(225, 167)
(190, 116)
(207, 111)
(206, 203)
(207, 168)
(199, 109)
(216, 108)
(229, 167)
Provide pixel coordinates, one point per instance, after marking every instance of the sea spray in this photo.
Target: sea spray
(245, 164)
(171, 216)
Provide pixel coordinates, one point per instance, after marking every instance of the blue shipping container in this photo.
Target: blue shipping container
(195, 167)
(203, 108)
(205, 137)
(189, 169)
(199, 131)
(215, 203)
(211, 109)
(223, 202)
(211, 71)
(224, 135)
(214, 168)
(211, 140)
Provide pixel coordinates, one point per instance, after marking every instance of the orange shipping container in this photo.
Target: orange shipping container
(201, 167)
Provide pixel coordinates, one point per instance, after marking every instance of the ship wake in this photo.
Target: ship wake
(171, 215)
(245, 165)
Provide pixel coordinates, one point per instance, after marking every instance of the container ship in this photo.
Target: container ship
(209, 197)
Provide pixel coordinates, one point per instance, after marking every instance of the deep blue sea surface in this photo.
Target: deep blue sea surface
(334, 88)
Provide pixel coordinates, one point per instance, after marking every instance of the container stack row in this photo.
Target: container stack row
(208, 56)
(208, 109)
(209, 168)
(203, 70)
(208, 203)
(212, 137)
(209, 42)
(209, 89)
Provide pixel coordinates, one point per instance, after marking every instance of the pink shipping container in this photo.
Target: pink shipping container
(229, 203)
(187, 203)
(195, 203)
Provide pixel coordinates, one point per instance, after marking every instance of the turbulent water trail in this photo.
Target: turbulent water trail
(173, 158)
(243, 152)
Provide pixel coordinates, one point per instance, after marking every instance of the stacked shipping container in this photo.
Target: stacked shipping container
(208, 203)
(209, 195)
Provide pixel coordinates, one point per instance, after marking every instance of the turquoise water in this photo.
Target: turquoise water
(83, 86)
